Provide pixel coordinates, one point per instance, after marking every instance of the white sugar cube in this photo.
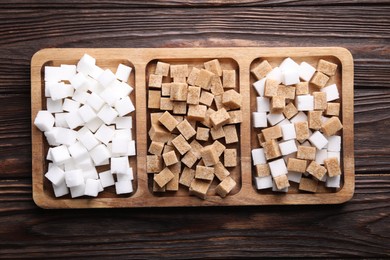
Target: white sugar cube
(82, 131)
(288, 64)
(318, 140)
(99, 154)
(87, 113)
(273, 118)
(68, 89)
(74, 178)
(61, 189)
(65, 136)
(52, 73)
(104, 134)
(263, 104)
(119, 165)
(120, 145)
(94, 86)
(288, 147)
(88, 140)
(333, 182)
(306, 71)
(123, 72)
(275, 74)
(123, 187)
(334, 143)
(284, 122)
(332, 93)
(67, 71)
(129, 176)
(85, 163)
(79, 82)
(70, 165)
(86, 64)
(54, 106)
(290, 77)
(304, 103)
(107, 114)
(334, 154)
(274, 188)
(90, 172)
(74, 120)
(124, 122)
(123, 89)
(77, 191)
(70, 105)
(106, 179)
(321, 155)
(95, 101)
(124, 106)
(55, 175)
(294, 176)
(288, 132)
(277, 167)
(58, 90)
(44, 120)
(263, 182)
(94, 124)
(49, 85)
(131, 150)
(60, 120)
(48, 155)
(51, 136)
(110, 96)
(259, 119)
(259, 86)
(80, 96)
(106, 78)
(95, 72)
(60, 154)
(92, 187)
(78, 151)
(125, 133)
(258, 156)
(300, 117)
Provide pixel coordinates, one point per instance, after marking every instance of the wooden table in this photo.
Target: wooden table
(360, 227)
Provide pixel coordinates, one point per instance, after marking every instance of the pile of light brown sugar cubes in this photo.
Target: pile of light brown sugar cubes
(297, 125)
(195, 114)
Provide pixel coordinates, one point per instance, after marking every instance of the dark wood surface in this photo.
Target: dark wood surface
(360, 227)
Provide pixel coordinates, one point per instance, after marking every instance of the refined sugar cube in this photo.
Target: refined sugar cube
(123, 187)
(54, 106)
(61, 189)
(294, 177)
(258, 156)
(56, 175)
(277, 167)
(88, 140)
(129, 176)
(288, 147)
(334, 143)
(304, 103)
(86, 64)
(306, 71)
(300, 117)
(106, 78)
(119, 165)
(92, 187)
(290, 77)
(318, 140)
(107, 114)
(74, 178)
(60, 154)
(131, 150)
(275, 74)
(321, 155)
(95, 101)
(78, 151)
(261, 70)
(99, 154)
(79, 82)
(124, 106)
(333, 182)
(60, 120)
(87, 113)
(332, 92)
(259, 86)
(123, 72)
(124, 122)
(44, 120)
(95, 72)
(273, 118)
(74, 120)
(106, 179)
(259, 119)
(263, 182)
(288, 132)
(104, 134)
(110, 96)
(288, 64)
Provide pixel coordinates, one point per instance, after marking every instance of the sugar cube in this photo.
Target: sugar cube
(123, 187)
(306, 71)
(74, 178)
(318, 140)
(258, 156)
(261, 70)
(55, 174)
(332, 92)
(123, 72)
(44, 120)
(92, 187)
(106, 179)
(60, 154)
(288, 147)
(263, 182)
(277, 167)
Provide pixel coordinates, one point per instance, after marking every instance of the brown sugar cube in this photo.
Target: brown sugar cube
(181, 144)
(196, 112)
(302, 88)
(290, 110)
(296, 165)
(319, 100)
(281, 182)
(178, 118)
(332, 109)
(217, 133)
(180, 107)
(229, 78)
(193, 95)
(286, 92)
(218, 102)
(209, 155)
(225, 187)
(169, 142)
(155, 81)
(179, 91)
(302, 131)
(206, 121)
(199, 188)
(260, 138)
(204, 173)
(232, 99)
(230, 134)
(306, 152)
(180, 80)
(163, 177)
(331, 126)
(196, 147)
(170, 158)
(230, 157)
(277, 104)
(214, 67)
(159, 133)
(166, 104)
(179, 71)
(219, 147)
(168, 121)
(319, 79)
(271, 149)
(262, 170)
(318, 171)
(189, 159)
(153, 163)
(168, 148)
(186, 129)
(154, 99)
(166, 89)
(187, 176)
(202, 133)
(216, 86)
(273, 132)
(156, 148)
(162, 69)
(154, 117)
(219, 117)
(271, 88)
(157, 188)
(173, 185)
(309, 185)
(206, 98)
(333, 166)
(220, 171)
(261, 70)
(235, 117)
(204, 78)
(193, 76)
(315, 119)
(327, 67)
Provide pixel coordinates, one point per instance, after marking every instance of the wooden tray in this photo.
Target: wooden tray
(241, 59)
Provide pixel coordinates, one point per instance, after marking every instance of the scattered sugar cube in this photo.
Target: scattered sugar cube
(79, 82)
(274, 188)
(55, 174)
(288, 147)
(332, 126)
(99, 154)
(302, 88)
(306, 152)
(306, 71)
(332, 109)
(290, 110)
(104, 134)
(263, 182)
(271, 88)
(124, 106)
(87, 113)
(294, 177)
(44, 120)
(92, 187)
(326, 67)
(332, 92)
(258, 156)
(321, 155)
(333, 182)
(259, 86)
(262, 170)
(54, 106)
(259, 119)
(275, 74)
(309, 185)
(229, 78)
(106, 78)
(77, 191)
(106, 179)
(274, 132)
(273, 118)
(316, 170)
(86, 64)
(60, 154)
(333, 166)
(123, 72)
(319, 79)
(320, 100)
(95, 101)
(204, 78)
(74, 120)
(318, 140)
(277, 167)
(110, 96)
(300, 117)
(123, 187)
(74, 178)
(124, 122)
(61, 189)
(304, 103)
(302, 131)
(288, 132)
(107, 114)
(288, 64)
(334, 143)
(225, 187)
(88, 140)
(281, 182)
(261, 70)
(78, 151)
(290, 77)
(119, 165)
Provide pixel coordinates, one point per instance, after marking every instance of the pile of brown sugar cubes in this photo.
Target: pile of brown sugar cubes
(194, 127)
(297, 125)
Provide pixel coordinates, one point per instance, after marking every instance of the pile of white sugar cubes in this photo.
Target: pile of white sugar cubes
(297, 125)
(87, 124)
